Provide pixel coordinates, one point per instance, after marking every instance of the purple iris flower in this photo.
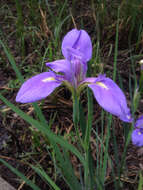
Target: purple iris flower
(137, 134)
(71, 71)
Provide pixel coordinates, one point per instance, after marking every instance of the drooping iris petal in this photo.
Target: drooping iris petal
(137, 137)
(37, 87)
(80, 40)
(110, 97)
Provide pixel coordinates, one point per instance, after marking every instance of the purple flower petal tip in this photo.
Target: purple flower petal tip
(127, 117)
(59, 66)
(137, 137)
(37, 87)
(137, 134)
(139, 122)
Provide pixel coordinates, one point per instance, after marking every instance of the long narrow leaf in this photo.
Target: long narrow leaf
(140, 186)
(116, 46)
(19, 174)
(21, 79)
(12, 61)
(43, 129)
(106, 149)
(42, 173)
(90, 117)
(63, 162)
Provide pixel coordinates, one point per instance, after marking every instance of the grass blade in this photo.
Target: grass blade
(12, 62)
(105, 159)
(42, 173)
(21, 79)
(62, 162)
(45, 130)
(140, 186)
(19, 174)
(116, 46)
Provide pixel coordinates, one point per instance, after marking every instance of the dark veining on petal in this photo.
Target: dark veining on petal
(75, 44)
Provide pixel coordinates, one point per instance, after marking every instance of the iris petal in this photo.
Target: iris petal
(80, 40)
(77, 64)
(137, 134)
(110, 97)
(139, 122)
(37, 87)
(137, 137)
(61, 65)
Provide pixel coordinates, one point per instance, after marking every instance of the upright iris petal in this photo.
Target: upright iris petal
(77, 50)
(137, 134)
(110, 97)
(77, 66)
(79, 40)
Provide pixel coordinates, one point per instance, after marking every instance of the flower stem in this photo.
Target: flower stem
(76, 115)
(85, 143)
(87, 172)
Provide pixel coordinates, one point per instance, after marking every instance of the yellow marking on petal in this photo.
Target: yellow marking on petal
(128, 116)
(48, 79)
(139, 133)
(102, 85)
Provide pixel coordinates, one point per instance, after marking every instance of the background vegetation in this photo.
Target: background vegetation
(31, 33)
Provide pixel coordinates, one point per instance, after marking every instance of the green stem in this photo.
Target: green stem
(75, 109)
(85, 143)
(86, 169)
(87, 172)
(76, 114)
